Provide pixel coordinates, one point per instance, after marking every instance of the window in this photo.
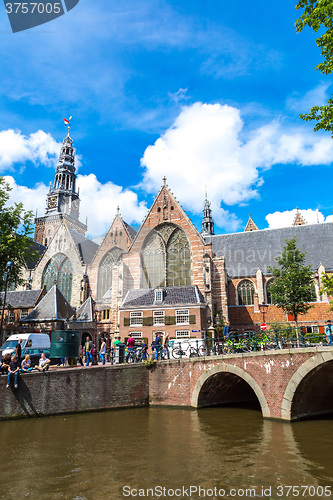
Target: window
(136, 335)
(10, 316)
(270, 298)
(158, 317)
(182, 317)
(245, 293)
(105, 314)
(59, 271)
(312, 329)
(104, 280)
(24, 313)
(166, 258)
(158, 295)
(136, 318)
(182, 334)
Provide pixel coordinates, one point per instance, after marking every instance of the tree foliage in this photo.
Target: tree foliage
(15, 228)
(327, 282)
(293, 285)
(318, 15)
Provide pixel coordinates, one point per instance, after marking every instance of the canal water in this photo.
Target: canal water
(228, 453)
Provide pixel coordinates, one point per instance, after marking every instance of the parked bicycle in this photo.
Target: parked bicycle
(190, 351)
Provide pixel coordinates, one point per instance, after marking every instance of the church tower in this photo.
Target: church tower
(63, 202)
(207, 219)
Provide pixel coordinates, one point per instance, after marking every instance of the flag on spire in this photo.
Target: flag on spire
(67, 122)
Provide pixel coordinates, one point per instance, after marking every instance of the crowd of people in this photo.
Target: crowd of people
(12, 367)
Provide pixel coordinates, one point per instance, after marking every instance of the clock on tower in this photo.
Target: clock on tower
(52, 202)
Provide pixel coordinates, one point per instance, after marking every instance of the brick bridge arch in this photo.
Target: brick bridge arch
(288, 384)
(235, 370)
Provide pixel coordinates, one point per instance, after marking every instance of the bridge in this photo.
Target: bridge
(286, 384)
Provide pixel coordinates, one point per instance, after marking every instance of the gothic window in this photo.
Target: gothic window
(59, 271)
(269, 295)
(245, 293)
(166, 258)
(104, 282)
(154, 262)
(179, 260)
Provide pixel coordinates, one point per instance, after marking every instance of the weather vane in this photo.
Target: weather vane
(68, 123)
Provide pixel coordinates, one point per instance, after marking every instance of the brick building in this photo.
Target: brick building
(167, 276)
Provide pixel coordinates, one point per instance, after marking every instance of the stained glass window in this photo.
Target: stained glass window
(166, 258)
(59, 271)
(245, 293)
(104, 282)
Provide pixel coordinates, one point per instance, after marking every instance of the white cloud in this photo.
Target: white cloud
(286, 218)
(204, 148)
(17, 148)
(315, 97)
(98, 202)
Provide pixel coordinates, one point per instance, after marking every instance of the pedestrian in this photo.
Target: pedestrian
(328, 332)
(5, 364)
(44, 363)
(26, 365)
(143, 351)
(130, 346)
(156, 346)
(88, 347)
(102, 351)
(81, 355)
(13, 371)
(226, 331)
(18, 350)
(166, 345)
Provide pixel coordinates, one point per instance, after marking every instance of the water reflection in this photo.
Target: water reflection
(94, 455)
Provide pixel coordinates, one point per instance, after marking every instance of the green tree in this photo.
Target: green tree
(318, 14)
(15, 228)
(327, 282)
(293, 284)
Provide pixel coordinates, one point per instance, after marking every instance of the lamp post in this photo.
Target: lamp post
(9, 266)
(263, 309)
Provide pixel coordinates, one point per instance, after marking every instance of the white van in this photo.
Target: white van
(33, 340)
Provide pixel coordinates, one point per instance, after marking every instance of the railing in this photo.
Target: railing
(235, 343)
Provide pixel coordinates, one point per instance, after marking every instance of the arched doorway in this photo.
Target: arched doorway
(228, 385)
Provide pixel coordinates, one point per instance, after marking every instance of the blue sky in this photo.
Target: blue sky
(207, 93)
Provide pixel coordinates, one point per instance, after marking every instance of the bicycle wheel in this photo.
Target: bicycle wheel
(202, 350)
(193, 353)
(177, 353)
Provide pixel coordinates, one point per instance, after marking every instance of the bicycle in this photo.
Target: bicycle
(189, 351)
(132, 356)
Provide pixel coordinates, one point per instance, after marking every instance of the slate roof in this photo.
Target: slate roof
(52, 307)
(85, 312)
(130, 230)
(188, 295)
(23, 299)
(87, 248)
(40, 249)
(245, 252)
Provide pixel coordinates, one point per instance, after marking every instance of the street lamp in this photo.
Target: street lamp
(263, 309)
(9, 267)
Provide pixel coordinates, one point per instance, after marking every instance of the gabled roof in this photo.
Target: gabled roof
(86, 247)
(250, 226)
(299, 219)
(52, 307)
(172, 296)
(39, 249)
(85, 312)
(130, 230)
(245, 252)
(23, 299)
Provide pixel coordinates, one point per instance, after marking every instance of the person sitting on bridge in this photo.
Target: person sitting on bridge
(44, 363)
(328, 332)
(13, 371)
(130, 346)
(26, 365)
(5, 364)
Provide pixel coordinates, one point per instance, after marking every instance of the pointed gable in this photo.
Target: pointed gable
(52, 307)
(299, 220)
(250, 226)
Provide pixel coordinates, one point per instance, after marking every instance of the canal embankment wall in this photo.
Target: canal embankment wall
(74, 390)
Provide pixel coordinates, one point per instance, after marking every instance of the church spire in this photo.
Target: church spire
(63, 196)
(207, 219)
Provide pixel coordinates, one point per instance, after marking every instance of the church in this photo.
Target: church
(167, 277)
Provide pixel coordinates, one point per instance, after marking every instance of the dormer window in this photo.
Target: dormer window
(158, 295)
